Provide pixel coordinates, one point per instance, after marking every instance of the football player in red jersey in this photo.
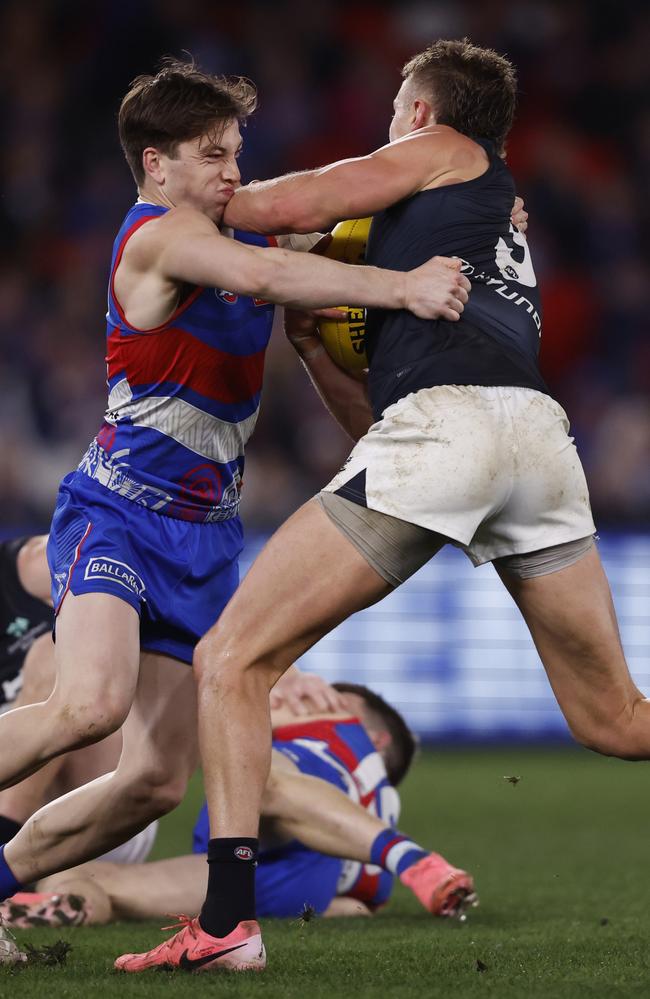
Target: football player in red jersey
(145, 537)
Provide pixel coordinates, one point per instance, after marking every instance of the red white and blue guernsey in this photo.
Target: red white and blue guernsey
(292, 876)
(151, 513)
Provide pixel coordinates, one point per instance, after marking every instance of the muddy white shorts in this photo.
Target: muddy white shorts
(135, 850)
(493, 469)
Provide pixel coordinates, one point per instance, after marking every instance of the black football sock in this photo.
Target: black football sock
(231, 884)
(8, 828)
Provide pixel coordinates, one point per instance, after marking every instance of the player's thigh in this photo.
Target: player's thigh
(307, 579)
(159, 734)
(97, 652)
(572, 620)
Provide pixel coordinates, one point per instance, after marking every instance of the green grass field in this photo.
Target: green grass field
(561, 863)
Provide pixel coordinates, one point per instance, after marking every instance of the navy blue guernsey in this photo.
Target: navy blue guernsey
(496, 340)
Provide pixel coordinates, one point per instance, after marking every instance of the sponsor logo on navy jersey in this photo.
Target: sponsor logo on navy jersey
(103, 567)
(18, 627)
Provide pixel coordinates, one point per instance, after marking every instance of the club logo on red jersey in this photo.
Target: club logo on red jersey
(243, 853)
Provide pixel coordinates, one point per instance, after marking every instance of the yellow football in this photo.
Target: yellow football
(344, 339)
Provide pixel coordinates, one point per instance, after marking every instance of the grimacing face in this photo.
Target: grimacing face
(204, 173)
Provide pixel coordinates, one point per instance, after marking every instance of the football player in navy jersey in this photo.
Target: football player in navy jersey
(25, 610)
(464, 445)
(362, 752)
(144, 543)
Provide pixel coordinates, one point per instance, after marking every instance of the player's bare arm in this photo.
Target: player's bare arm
(359, 187)
(185, 247)
(343, 395)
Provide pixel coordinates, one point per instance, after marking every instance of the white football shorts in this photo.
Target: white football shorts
(491, 468)
(135, 850)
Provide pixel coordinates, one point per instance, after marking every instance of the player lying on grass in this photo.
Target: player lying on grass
(344, 806)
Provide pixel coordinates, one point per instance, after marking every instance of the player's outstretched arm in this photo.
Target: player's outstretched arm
(345, 397)
(361, 186)
(187, 247)
(348, 189)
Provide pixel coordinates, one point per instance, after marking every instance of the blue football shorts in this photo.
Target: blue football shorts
(178, 575)
(292, 876)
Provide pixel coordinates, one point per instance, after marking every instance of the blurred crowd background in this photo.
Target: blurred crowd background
(327, 73)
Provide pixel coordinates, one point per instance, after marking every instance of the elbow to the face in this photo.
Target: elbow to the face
(294, 213)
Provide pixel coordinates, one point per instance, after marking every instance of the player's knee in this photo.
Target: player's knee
(224, 666)
(611, 737)
(84, 721)
(214, 666)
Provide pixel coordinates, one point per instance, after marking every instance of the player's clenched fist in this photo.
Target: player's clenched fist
(437, 289)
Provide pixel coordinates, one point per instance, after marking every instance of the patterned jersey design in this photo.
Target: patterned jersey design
(346, 749)
(183, 397)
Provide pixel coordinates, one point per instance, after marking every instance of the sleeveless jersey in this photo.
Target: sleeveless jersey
(183, 397)
(496, 340)
(345, 748)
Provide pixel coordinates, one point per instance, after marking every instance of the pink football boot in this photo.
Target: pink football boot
(192, 949)
(442, 889)
(28, 909)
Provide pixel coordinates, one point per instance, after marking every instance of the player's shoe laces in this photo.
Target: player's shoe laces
(10, 953)
(442, 889)
(192, 949)
(28, 909)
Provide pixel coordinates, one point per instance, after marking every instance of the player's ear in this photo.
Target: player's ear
(380, 739)
(422, 113)
(152, 165)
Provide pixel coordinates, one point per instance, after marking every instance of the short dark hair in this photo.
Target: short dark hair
(179, 103)
(473, 90)
(398, 756)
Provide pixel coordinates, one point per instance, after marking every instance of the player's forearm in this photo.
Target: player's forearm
(280, 205)
(350, 188)
(303, 281)
(343, 396)
(319, 816)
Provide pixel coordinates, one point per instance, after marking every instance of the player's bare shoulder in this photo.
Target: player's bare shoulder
(147, 246)
(447, 156)
(144, 283)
